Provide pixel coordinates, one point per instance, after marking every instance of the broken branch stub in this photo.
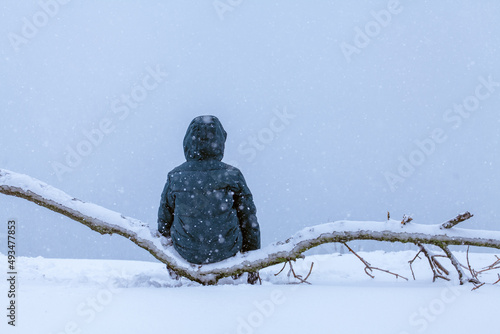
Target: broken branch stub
(458, 219)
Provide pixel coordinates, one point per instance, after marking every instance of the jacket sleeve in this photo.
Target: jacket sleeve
(246, 211)
(166, 211)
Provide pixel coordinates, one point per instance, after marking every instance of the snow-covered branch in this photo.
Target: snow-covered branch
(106, 221)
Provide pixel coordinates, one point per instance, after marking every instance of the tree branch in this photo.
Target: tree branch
(413, 260)
(461, 275)
(369, 267)
(292, 271)
(458, 219)
(105, 221)
(493, 266)
(437, 269)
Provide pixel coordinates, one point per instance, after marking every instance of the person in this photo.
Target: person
(206, 206)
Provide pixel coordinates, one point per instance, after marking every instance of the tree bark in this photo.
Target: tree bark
(105, 221)
(458, 219)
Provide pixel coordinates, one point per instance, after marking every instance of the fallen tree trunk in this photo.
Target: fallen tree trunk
(106, 221)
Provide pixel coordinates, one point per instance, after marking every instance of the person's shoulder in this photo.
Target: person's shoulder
(182, 167)
(229, 168)
(234, 173)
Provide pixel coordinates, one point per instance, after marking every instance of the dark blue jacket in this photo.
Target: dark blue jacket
(206, 206)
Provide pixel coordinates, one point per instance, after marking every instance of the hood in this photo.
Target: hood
(204, 139)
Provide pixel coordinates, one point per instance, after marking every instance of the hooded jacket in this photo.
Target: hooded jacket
(206, 206)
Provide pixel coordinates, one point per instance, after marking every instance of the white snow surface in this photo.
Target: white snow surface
(117, 296)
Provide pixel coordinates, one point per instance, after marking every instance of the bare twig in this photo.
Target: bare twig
(439, 266)
(477, 286)
(389, 272)
(474, 275)
(292, 272)
(474, 280)
(434, 264)
(488, 269)
(413, 260)
(458, 219)
(406, 220)
(461, 275)
(310, 271)
(366, 263)
(369, 267)
(493, 266)
(299, 277)
(366, 271)
(279, 272)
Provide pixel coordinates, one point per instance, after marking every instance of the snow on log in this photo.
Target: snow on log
(106, 221)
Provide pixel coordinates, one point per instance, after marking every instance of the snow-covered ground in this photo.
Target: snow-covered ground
(116, 296)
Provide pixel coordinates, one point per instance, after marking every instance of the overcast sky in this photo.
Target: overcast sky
(334, 109)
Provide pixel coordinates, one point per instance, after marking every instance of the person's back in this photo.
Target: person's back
(206, 206)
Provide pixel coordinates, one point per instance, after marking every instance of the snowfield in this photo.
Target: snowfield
(116, 296)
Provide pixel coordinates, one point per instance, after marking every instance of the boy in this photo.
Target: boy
(206, 206)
